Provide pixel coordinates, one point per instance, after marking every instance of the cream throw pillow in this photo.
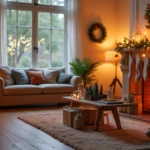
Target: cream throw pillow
(50, 75)
(5, 73)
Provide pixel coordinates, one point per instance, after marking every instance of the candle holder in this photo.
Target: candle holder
(76, 94)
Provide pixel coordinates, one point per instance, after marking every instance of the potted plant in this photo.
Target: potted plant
(84, 68)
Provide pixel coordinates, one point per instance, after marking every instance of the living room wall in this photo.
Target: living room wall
(109, 13)
(122, 18)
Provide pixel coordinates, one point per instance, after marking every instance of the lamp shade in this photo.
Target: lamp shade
(111, 56)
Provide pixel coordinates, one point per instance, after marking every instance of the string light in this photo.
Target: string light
(138, 42)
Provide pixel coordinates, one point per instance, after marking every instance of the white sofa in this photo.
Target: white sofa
(29, 94)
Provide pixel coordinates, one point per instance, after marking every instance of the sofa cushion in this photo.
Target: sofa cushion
(36, 77)
(5, 73)
(58, 69)
(50, 75)
(20, 76)
(63, 77)
(57, 88)
(22, 90)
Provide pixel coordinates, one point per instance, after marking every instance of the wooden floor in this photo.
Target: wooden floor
(17, 135)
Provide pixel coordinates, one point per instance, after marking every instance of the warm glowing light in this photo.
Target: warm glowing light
(133, 38)
(111, 56)
(145, 36)
(76, 94)
(106, 45)
(138, 36)
(143, 55)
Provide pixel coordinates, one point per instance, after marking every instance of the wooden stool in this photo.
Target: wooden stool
(104, 116)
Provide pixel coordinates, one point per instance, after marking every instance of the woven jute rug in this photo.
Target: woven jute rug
(131, 137)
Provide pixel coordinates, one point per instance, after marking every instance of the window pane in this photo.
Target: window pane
(52, 2)
(11, 46)
(57, 48)
(58, 2)
(58, 21)
(44, 55)
(44, 20)
(19, 47)
(45, 2)
(24, 18)
(25, 1)
(12, 0)
(11, 17)
(50, 34)
(24, 47)
(21, 1)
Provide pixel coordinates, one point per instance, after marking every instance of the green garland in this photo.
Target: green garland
(96, 26)
(129, 45)
(147, 15)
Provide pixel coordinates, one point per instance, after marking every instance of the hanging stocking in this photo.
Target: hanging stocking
(146, 66)
(130, 65)
(137, 74)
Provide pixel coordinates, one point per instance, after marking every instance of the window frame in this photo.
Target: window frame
(35, 8)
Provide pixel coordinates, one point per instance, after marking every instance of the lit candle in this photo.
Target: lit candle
(143, 55)
(78, 96)
(74, 96)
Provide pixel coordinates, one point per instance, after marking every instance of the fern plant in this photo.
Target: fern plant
(84, 68)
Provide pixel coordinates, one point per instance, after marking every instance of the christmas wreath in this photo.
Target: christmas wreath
(101, 28)
(147, 15)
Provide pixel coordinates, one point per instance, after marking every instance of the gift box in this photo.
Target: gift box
(68, 115)
(89, 115)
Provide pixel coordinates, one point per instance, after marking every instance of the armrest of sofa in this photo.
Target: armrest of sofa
(2, 85)
(75, 80)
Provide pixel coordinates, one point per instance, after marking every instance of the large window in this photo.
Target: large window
(36, 33)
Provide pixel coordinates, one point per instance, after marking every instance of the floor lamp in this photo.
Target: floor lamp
(111, 56)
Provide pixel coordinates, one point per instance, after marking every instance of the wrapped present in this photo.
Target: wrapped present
(89, 115)
(68, 115)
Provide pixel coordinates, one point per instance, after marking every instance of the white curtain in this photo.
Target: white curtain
(3, 47)
(74, 30)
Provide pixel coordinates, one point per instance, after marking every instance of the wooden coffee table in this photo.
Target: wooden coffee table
(101, 107)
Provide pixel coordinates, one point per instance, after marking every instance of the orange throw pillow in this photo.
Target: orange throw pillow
(36, 77)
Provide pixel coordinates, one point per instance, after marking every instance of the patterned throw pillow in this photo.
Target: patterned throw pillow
(36, 77)
(63, 77)
(5, 73)
(20, 76)
(50, 75)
